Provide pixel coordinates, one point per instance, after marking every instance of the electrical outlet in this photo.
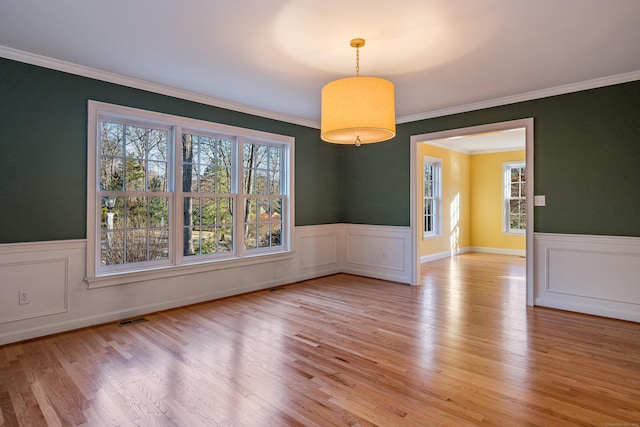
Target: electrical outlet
(23, 298)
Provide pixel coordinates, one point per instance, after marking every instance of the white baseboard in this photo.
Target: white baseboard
(442, 255)
(498, 251)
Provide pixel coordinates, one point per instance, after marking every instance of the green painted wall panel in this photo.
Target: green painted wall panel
(587, 163)
(43, 138)
(587, 152)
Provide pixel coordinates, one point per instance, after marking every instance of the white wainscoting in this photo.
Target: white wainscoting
(597, 275)
(60, 299)
(377, 251)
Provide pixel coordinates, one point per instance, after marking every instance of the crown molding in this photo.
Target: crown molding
(528, 96)
(81, 70)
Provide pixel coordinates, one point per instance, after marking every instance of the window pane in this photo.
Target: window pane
(428, 189)
(111, 139)
(136, 214)
(112, 248)
(111, 213)
(225, 239)
(264, 235)
(209, 211)
(225, 211)
(264, 214)
(276, 209)
(135, 142)
(135, 173)
(158, 244)
(188, 149)
(515, 190)
(111, 173)
(207, 164)
(251, 232)
(159, 211)
(515, 221)
(157, 145)
(514, 206)
(136, 246)
(276, 234)
(262, 181)
(207, 240)
(158, 176)
(211, 230)
(223, 180)
(250, 210)
(261, 169)
(191, 241)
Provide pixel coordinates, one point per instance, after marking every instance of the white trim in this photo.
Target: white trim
(498, 251)
(527, 96)
(437, 197)
(378, 251)
(506, 197)
(119, 79)
(81, 70)
(512, 124)
(168, 271)
(100, 276)
(442, 255)
(373, 251)
(32, 247)
(589, 274)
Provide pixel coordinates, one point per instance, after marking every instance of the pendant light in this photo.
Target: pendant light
(358, 110)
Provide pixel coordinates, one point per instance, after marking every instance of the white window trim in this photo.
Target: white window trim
(437, 231)
(177, 264)
(506, 191)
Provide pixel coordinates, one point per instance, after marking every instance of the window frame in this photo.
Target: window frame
(436, 198)
(177, 263)
(507, 198)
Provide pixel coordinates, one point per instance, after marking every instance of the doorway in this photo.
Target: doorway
(416, 220)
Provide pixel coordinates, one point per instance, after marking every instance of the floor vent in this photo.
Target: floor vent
(131, 321)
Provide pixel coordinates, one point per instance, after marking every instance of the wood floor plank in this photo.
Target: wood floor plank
(343, 350)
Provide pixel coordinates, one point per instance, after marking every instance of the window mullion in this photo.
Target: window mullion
(177, 214)
(239, 197)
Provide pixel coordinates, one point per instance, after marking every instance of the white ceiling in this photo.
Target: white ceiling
(274, 56)
(486, 142)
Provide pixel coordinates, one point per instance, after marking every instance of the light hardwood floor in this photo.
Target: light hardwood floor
(462, 350)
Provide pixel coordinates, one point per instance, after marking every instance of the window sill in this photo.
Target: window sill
(121, 278)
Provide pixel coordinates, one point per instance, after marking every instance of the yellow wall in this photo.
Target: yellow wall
(456, 223)
(487, 201)
(475, 183)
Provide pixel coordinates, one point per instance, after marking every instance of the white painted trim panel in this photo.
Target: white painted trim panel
(597, 275)
(382, 252)
(61, 300)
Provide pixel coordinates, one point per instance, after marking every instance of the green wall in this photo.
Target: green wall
(43, 151)
(587, 157)
(586, 162)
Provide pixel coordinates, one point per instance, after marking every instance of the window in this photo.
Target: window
(432, 196)
(515, 213)
(167, 191)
